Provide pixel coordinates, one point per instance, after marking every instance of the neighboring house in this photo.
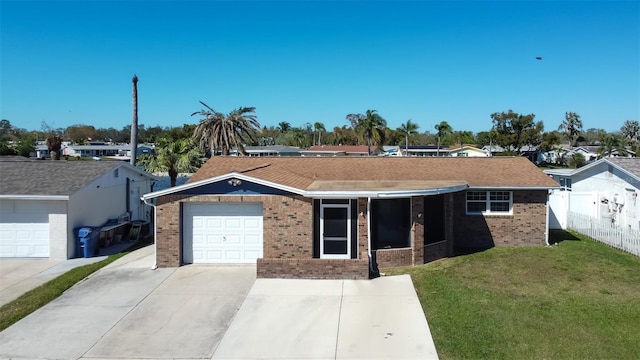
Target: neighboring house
(466, 151)
(102, 150)
(42, 202)
(391, 150)
(605, 189)
(42, 151)
(442, 150)
(424, 150)
(323, 217)
(340, 150)
(269, 150)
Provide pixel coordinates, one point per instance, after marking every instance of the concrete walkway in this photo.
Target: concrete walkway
(19, 275)
(127, 311)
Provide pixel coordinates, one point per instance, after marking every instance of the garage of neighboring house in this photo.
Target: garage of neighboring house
(222, 233)
(44, 202)
(24, 229)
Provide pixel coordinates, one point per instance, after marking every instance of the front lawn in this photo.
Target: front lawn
(577, 300)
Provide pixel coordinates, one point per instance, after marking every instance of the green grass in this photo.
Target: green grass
(34, 299)
(577, 300)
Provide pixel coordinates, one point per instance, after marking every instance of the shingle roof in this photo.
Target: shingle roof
(632, 165)
(48, 177)
(301, 173)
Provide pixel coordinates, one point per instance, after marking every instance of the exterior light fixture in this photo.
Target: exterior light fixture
(234, 182)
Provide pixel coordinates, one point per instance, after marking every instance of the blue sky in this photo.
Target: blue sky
(67, 63)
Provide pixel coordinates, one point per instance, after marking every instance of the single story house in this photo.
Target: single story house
(340, 150)
(43, 201)
(605, 189)
(331, 217)
(269, 150)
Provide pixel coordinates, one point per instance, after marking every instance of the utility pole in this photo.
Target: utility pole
(134, 124)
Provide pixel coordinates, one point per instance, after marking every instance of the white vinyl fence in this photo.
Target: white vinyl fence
(606, 232)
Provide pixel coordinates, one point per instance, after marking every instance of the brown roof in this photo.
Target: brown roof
(302, 173)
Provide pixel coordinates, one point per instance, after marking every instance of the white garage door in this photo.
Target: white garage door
(24, 229)
(223, 233)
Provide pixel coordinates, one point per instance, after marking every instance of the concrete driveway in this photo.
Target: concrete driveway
(127, 311)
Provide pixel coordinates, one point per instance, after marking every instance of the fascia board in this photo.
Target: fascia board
(34, 197)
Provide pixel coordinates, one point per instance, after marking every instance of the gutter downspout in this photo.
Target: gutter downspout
(155, 232)
(369, 226)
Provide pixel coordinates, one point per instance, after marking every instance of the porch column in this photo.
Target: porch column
(417, 229)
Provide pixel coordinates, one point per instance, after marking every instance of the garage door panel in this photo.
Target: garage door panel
(253, 224)
(224, 233)
(24, 239)
(252, 254)
(233, 223)
(252, 239)
(233, 240)
(233, 255)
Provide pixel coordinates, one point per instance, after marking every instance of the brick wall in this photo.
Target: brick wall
(287, 223)
(436, 251)
(357, 269)
(527, 225)
(387, 258)
(417, 230)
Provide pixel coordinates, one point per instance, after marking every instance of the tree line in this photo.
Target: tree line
(510, 130)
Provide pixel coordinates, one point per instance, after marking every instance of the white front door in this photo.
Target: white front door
(335, 223)
(222, 233)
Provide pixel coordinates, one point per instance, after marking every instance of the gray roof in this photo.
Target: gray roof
(631, 165)
(276, 148)
(48, 177)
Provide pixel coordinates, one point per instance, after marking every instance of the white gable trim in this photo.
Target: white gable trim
(232, 175)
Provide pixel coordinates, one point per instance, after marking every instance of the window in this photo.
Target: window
(391, 223)
(565, 183)
(489, 202)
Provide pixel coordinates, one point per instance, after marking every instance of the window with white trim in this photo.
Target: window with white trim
(489, 202)
(565, 183)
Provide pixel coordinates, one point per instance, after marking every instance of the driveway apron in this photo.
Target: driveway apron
(185, 317)
(329, 319)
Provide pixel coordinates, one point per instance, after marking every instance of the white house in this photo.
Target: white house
(605, 189)
(43, 201)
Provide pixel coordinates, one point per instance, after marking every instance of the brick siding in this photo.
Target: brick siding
(527, 225)
(387, 258)
(357, 269)
(288, 233)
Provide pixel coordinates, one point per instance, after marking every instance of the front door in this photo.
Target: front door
(335, 237)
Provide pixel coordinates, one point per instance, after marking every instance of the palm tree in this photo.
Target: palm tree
(174, 157)
(284, 126)
(217, 130)
(371, 126)
(298, 137)
(611, 143)
(408, 128)
(54, 144)
(630, 130)
(319, 128)
(571, 126)
(442, 129)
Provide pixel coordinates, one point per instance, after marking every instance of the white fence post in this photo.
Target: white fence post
(606, 232)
